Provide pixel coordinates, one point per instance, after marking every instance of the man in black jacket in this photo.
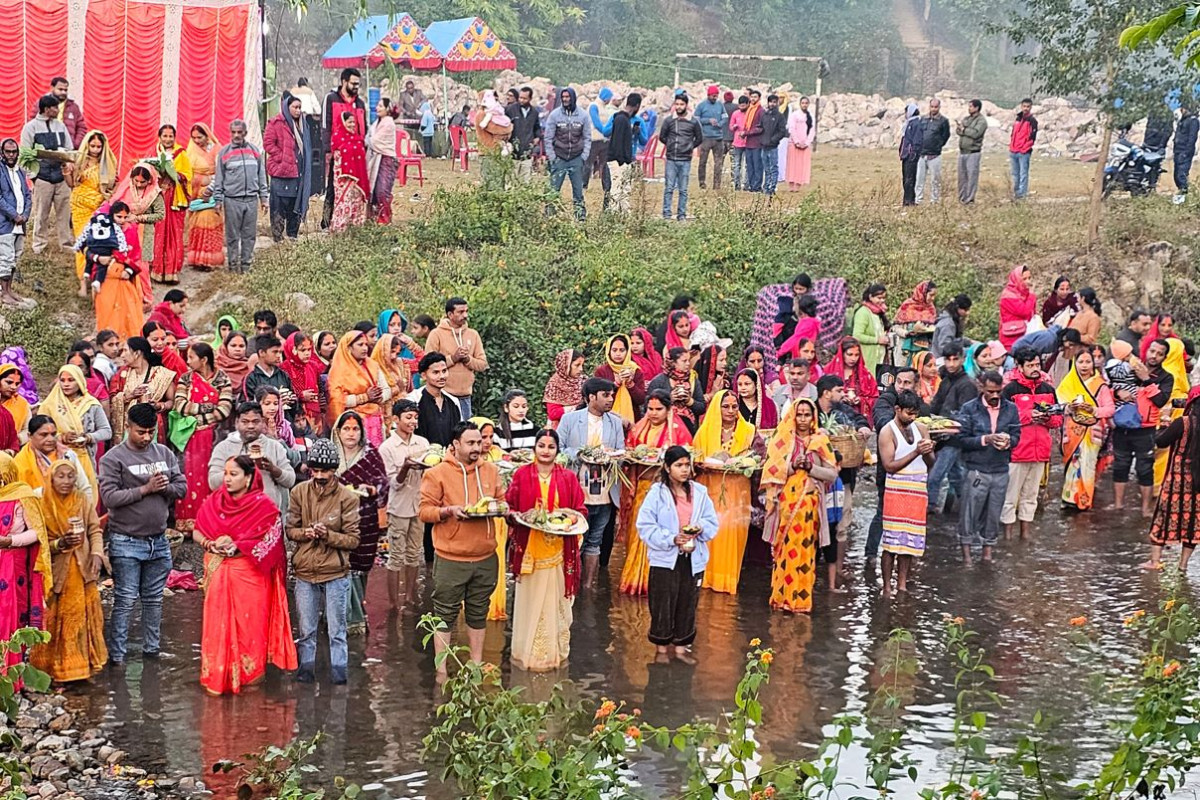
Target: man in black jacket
(1131, 445)
(680, 136)
(1185, 151)
(774, 131)
(526, 132)
(884, 412)
(935, 134)
(626, 130)
(955, 390)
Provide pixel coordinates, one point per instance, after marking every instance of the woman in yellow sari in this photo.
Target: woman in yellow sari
(206, 226)
(79, 417)
(799, 461)
(1081, 442)
(498, 609)
(387, 355)
(724, 434)
(620, 368)
(1176, 364)
(13, 402)
(92, 182)
(660, 428)
(74, 616)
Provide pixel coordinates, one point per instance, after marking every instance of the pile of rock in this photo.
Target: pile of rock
(61, 760)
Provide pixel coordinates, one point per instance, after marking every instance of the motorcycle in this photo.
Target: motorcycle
(1132, 168)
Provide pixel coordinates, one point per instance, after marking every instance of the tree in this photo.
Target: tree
(1076, 52)
(1182, 21)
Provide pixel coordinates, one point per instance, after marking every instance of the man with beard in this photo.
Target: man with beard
(526, 132)
(567, 133)
(337, 102)
(466, 567)
(15, 205)
(955, 389)
(883, 412)
(322, 521)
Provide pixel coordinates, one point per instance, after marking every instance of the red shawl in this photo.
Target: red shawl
(252, 522)
(236, 369)
(173, 361)
(8, 432)
(172, 322)
(1151, 335)
(917, 308)
(650, 362)
(806, 328)
(672, 338)
(673, 432)
(562, 389)
(862, 382)
(524, 493)
(305, 376)
(351, 147)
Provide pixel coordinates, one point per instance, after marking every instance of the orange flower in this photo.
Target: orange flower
(633, 732)
(1170, 669)
(606, 708)
(755, 642)
(769, 791)
(1078, 622)
(599, 728)
(1135, 616)
(1168, 605)
(767, 657)
(976, 794)
(958, 621)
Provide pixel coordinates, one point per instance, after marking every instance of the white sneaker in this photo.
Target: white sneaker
(1179, 199)
(95, 287)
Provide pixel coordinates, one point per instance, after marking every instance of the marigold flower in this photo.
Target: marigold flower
(633, 732)
(599, 728)
(1078, 622)
(769, 791)
(767, 657)
(1168, 605)
(606, 708)
(1170, 669)
(958, 621)
(755, 642)
(976, 794)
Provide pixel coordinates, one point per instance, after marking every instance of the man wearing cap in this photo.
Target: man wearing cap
(322, 520)
(601, 114)
(714, 121)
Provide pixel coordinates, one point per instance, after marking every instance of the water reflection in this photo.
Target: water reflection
(825, 665)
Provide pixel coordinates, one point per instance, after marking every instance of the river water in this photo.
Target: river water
(825, 665)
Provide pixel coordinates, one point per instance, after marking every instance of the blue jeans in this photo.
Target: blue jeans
(754, 169)
(561, 168)
(464, 405)
(945, 478)
(677, 174)
(140, 568)
(770, 161)
(1020, 173)
(335, 596)
(598, 517)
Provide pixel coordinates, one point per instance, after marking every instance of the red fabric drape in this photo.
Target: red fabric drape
(124, 44)
(34, 51)
(212, 48)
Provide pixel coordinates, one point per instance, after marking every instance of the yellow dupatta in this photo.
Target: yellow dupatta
(707, 442)
(1176, 364)
(496, 453)
(13, 489)
(394, 369)
(623, 402)
(106, 163)
(68, 416)
(16, 405)
(1070, 387)
(778, 467)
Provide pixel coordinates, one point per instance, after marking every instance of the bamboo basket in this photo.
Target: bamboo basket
(851, 447)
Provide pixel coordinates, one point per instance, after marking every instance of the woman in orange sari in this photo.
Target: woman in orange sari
(74, 616)
(246, 622)
(928, 379)
(121, 302)
(358, 383)
(1089, 399)
(660, 428)
(799, 461)
(92, 182)
(206, 226)
(167, 252)
(203, 400)
(725, 434)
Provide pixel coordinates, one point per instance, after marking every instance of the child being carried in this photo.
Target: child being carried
(102, 242)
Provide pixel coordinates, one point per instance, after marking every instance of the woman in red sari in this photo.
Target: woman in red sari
(660, 428)
(203, 400)
(167, 260)
(246, 622)
(350, 180)
(206, 226)
(304, 371)
(24, 556)
(847, 363)
(648, 359)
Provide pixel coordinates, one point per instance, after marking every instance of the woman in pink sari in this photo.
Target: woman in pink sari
(203, 400)
(24, 556)
(350, 180)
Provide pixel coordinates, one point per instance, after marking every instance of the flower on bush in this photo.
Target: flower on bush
(1078, 622)
(767, 657)
(633, 732)
(1167, 606)
(755, 642)
(606, 709)
(1135, 616)
(1170, 669)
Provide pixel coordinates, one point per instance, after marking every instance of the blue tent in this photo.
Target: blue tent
(396, 38)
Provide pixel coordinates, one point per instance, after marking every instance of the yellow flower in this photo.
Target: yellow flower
(1135, 616)
(1170, 669)
(755, 642)
(767, 657)
(1168, 605)
(1078, 622)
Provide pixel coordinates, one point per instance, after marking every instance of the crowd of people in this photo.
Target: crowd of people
(310, 458)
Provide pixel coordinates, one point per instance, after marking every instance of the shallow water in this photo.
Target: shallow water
(826, 664)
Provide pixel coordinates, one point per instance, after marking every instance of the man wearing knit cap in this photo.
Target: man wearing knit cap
(714, 121)
(601, 114)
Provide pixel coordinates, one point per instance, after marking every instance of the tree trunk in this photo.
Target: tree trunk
(1097, 203)
(975, 45)
(928, 8)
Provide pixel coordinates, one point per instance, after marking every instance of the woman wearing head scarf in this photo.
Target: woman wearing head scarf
(143, 379)
(74, 615)
(206, 225)
(647, 357)
(203, 400)
(361, 468)
(246, 620)
(175, 171)
(753, 404)
(393, 322)
(11, 400)
(910, 152)
(1061, 297)
(304, 371)
(120, 301)
(28, 386)
(288, 146)
(233, 360)
(395, 371)
(226, 324)
(92, 182)
(492, 125)
(712, 370)
(356, 383)
(1177, 513)
(861, 389)
(871, 325)
(1163, 328)
(382, 166)
(680, 325)
(1174, 364)
(1018, 304)
(1090, 407)
(564, 390)
(351, 184)
(620, 368)
(25, 572)
(1088, 320)
(140, 190)
(928, 379)
(723, 435)
(545, 567)
(799, 464)
(79, 417)
(920, 307)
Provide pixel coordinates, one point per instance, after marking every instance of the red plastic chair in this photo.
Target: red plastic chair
(461, 148)
(408, 159)
(652, 152)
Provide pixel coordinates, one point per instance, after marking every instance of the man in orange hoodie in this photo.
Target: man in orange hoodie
(463, 348)
(465, 565)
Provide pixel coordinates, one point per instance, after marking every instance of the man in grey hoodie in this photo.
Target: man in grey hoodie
(140, 480)
(50, 187)
(567, 134)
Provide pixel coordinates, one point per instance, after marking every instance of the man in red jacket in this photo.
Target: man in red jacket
(1020, 147)
(69, 111)
(1028, 389)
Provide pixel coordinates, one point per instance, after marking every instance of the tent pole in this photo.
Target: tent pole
(445, 96)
